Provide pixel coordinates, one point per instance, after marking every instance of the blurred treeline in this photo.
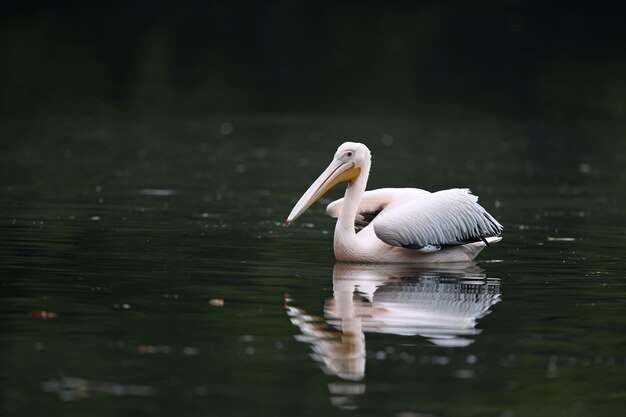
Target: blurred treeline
(390, 58)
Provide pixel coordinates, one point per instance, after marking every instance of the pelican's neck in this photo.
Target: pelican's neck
(351, 201)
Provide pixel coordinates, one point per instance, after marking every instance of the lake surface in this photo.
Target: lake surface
(146, 271)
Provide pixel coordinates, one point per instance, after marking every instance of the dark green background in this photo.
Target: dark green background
(510, 57)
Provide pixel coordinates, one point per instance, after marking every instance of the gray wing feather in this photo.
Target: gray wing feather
(446, 217)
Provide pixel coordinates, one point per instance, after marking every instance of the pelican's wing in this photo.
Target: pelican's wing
(374, 201)
(444, 218)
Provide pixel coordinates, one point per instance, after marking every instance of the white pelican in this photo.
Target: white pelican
(398, 224)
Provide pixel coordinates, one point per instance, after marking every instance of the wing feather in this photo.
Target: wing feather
(374, 202)
(448, 217)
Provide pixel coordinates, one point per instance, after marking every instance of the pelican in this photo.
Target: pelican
(398, 225)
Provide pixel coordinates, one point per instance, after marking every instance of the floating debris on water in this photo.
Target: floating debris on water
(154, 349)
(165, 349)
(157, 192)
(71, 388)
(42, 315)
(464, 373)
(561, 239)
(190, 350)
(217, 302)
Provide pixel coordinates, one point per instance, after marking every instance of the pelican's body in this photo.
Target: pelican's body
(398, 224)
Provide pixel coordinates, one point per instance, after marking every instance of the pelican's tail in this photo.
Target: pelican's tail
(493, 239)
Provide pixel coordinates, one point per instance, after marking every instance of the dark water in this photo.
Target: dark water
(146, 271)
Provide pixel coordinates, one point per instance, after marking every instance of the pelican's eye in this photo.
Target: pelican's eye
(347, 156)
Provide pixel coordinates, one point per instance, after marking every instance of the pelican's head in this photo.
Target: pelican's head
(346, 166)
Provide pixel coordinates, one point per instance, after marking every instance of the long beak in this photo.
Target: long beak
(338, 171)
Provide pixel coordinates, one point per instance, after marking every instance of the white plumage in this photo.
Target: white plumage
(399, 224)
(443, 218)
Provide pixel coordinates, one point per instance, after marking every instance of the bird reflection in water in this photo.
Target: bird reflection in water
(441, 304)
